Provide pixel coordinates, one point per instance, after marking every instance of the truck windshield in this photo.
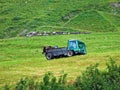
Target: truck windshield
(72, 45)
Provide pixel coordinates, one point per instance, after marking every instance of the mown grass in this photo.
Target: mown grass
(91, 78)
(22, 57)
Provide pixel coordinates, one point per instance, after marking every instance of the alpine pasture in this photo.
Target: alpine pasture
(22, 57)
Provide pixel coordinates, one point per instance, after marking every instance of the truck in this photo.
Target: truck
(74, 47)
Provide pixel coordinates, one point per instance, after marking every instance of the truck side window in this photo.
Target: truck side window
(80, 45)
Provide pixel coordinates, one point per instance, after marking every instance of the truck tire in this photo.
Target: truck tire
(70, 53)
(49, 56)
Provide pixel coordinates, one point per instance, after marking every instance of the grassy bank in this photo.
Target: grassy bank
(20, 17)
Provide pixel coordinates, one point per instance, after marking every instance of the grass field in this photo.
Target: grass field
(22, 57)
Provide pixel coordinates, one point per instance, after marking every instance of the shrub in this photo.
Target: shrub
(6, 87)
(94, 79)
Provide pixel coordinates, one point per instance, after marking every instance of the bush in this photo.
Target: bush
(94, 79)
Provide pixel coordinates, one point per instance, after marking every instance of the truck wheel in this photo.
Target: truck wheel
(70, 53)
(49, 56)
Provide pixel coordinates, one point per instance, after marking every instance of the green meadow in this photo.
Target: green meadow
(22, 56)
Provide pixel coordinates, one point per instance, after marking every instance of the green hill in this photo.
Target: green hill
(17, 16)
(22, 56)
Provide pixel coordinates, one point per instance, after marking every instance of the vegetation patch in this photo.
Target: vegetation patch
(32, 15)
(91, 79)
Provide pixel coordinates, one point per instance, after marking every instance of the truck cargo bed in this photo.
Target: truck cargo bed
(58, 51)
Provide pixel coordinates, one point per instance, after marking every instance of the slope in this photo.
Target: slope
(17, 16)
(22, 56)
(92, 21)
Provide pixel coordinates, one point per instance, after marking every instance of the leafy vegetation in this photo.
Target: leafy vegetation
(91, 79)
(94, 79)
(16, 16)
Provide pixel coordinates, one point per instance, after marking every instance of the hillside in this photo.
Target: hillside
(23, 16)
(22, 56)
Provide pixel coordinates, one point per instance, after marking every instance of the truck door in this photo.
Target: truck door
(82, 47)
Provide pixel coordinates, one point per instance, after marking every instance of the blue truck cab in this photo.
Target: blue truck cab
(76, 46)
(73, 47)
